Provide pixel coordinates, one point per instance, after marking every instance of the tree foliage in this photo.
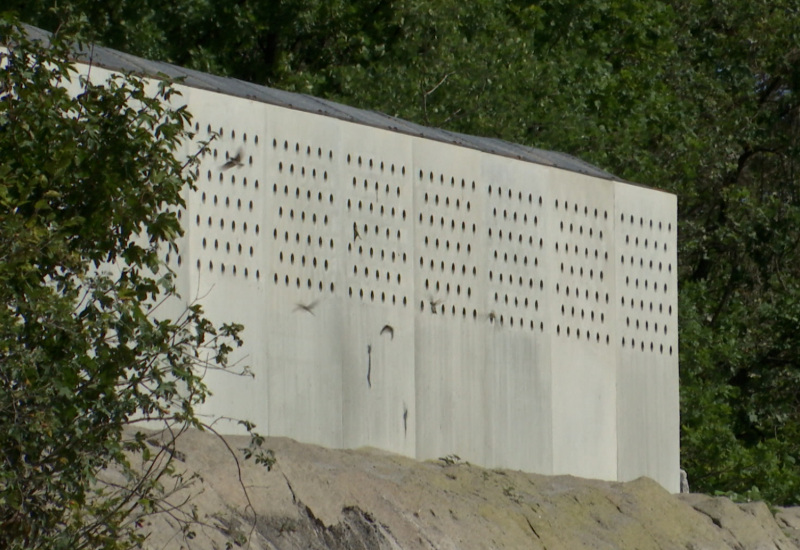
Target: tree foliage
(89, 180)
(695, 97)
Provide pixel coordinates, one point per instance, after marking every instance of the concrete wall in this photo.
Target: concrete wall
(431, 299)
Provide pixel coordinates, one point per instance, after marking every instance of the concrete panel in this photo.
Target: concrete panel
(580, 278)
(449, 306)
(303, 245)
(517, 366)
(647, 342)
(378, 289)
(223, 252)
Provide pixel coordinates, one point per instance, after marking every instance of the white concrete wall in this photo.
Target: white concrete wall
(513, 314)
(647, 335)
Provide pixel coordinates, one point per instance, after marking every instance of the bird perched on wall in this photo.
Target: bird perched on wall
(234, 162)
(388, 329)
(492, 316)
(308, 308)
(369, 365)
(356, 234)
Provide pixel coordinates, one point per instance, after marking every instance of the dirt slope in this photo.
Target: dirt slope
(319, 498)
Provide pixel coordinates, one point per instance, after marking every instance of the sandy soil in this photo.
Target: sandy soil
(315, 498)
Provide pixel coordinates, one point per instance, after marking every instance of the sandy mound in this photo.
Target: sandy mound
(321, 498)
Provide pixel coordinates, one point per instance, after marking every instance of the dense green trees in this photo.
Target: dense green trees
(89, 182)
(696, 97)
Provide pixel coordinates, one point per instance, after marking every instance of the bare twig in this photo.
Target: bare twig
(429, 92)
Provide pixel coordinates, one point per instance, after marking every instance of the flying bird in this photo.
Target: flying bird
(434, 305)
(234, 162)
(492, 316)
(405, 419)
(356, 234)
(308, 308)
(388, 329)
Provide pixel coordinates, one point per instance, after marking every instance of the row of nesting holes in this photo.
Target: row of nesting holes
(437, 308)
(571, 229)
(582, 271)
(371, 252)
(371, 164)
(646, 324)
(382, 210)
(643, 347)
(297, 148)
(383, 296)
(520, 196)
(446, 244)
(365, 231)
(645, 242)
(520, 237)
(520, 280)
(452, 224)
(302, 215)
(221, 179)
(387, 274)
(453, 183)
(565, 248)
(576, 210)
(308, 194)
(588, 335)
(221, 132)
(645, 284)
(602, 315)
(456, 202)
(232, 269)
(453, 269)
(514, 216)
(632, 304)
(577, 293)
(515, 301)
(287, 281)
(437, 287)
(367, 188)
(650, 223)
(231, 224)
(303, 171)
(215, 201)
(239, 247)
(308, 239)
(650, 265)
(302, 260)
